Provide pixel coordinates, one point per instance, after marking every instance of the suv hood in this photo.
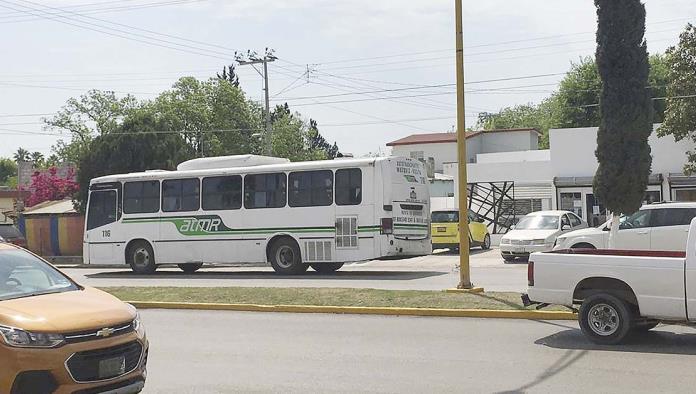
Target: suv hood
(66, 312)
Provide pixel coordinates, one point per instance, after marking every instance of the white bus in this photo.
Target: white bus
(256, 209)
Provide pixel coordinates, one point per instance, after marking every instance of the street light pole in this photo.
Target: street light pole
(464, 274)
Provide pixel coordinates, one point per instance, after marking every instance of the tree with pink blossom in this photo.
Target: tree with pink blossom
(49, 186)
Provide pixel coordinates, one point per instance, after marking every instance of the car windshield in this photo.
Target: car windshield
(23, 275)
(445, 217)
(9, 231)
(537, 222)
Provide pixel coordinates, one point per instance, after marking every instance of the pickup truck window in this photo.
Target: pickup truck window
(673, 217)
(639, 219)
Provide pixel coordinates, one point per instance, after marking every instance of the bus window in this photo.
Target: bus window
(348, 186)
(222, 193)
(141, 197)
(180, 195)
(102, 209)
(310, 188)
(264, 191)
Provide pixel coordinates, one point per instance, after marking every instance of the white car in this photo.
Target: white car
(661, 226)
(537, 232)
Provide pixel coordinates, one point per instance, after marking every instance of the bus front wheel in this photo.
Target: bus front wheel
(285, 257)
(326, 268)
(141, 258)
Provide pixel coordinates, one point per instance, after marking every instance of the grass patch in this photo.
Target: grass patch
(321, 297)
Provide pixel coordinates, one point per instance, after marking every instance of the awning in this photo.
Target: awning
(678, 179)
(578, 181)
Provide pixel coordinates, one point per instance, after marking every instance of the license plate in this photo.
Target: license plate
(441, 229)
(111, 367)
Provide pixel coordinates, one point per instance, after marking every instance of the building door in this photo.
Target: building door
(596, 212)
(571, 200)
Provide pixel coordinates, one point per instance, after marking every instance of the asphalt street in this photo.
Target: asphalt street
(225, 352)
(434, 272)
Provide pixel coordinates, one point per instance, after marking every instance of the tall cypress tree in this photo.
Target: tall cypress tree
(622, 151)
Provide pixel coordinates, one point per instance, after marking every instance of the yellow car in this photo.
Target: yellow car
(445, 230)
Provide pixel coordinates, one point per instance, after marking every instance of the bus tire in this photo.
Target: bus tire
(286, 258)
(190, 268)
(326, 268)
(141, 257)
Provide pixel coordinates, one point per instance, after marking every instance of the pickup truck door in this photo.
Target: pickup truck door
(634, 232)
(690, 272)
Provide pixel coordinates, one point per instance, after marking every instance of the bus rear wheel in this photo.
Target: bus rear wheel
(141, 258)
(190, 268)
(326, 268)
(285, 257)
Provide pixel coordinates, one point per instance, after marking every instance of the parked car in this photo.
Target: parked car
(660, 226)
(59, 337)
(445, 230)
(537, 232)
(619, 291)
(9, 233)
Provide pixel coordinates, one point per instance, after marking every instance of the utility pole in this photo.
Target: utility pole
(464, 272)
(252, 58)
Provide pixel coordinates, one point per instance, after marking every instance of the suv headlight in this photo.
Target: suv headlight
(20, 338)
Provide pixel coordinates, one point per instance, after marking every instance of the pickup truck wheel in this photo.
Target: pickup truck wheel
(605, 319)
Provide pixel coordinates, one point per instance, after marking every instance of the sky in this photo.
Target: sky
(368, 71)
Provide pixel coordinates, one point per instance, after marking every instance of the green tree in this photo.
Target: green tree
(292, 137)
(8, 169)
(575, 103)
(680, 113)
(94, 113)
(625, 107)
(229, 75)
(38, 159)
(133, 147)
(21, 155)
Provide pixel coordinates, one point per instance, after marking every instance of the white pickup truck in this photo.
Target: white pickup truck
(619, 291)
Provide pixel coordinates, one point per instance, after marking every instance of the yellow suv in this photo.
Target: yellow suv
(445, 230)
(59, 337)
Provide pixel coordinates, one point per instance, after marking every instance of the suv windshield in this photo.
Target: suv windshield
(23, 274)
(537, 222)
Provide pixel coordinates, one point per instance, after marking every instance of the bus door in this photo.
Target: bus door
(354, 214)
(103, 235)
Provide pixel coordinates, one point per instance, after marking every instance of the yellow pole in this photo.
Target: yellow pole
(464, 275)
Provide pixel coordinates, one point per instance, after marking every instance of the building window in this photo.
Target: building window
(348, 186)
(310, 188)
(222, 193)
(417, 155)
(265, 190)
(180, 195)
(141, 197)
(572, 202)
(684, 194)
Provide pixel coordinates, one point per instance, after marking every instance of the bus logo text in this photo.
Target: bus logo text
(208, 225)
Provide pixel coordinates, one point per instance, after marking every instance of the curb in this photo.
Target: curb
(363, 310)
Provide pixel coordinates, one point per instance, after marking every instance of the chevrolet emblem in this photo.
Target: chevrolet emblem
(105, 332)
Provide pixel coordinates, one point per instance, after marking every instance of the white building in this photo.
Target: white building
(442, 147)
(561, 177)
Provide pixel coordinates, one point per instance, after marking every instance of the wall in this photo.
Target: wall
(514, 157)
(441, 188)
(573, 152)
(508, 141)
(53, 235)
(441, 152)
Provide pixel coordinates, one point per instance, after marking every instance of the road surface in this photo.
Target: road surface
(435, 272)
(224, 352)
